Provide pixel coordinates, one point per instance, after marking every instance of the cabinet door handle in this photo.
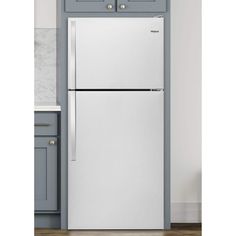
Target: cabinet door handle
(122, 6)
(109, 6)
(52, 142)
(41, 124)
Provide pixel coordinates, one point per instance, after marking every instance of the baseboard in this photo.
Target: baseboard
(186, 212)
(186, 225)
(47, 221)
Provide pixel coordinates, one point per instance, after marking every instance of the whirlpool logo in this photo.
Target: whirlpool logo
(154, 31)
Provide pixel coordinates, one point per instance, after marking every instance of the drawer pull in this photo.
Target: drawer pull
(109, 6)
(41, 124)
(122, 6)
(52, 142)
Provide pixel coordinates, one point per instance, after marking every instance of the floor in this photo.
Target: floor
(177, 230)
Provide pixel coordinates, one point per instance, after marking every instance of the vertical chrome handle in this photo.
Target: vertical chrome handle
(72, 85)
(71, 53)
(72, 125)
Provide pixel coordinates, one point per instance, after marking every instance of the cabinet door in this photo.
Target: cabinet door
(90, 6)
(45, 171)
(141, 5)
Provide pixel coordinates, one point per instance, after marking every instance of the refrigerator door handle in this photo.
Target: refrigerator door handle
(72, 54)
(72, 125)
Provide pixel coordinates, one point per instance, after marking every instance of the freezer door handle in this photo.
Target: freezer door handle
(72, 125)
(71, 53)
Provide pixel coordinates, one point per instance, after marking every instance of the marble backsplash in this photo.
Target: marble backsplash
(45, 66)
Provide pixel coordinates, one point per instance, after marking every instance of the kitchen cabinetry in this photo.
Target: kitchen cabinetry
(90, 6)
(141, 5)
(46, 170)
(115, 5)
(45, 161)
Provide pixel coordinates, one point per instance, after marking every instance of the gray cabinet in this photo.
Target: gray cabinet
(46, 169)
(45, 173)
(141, 5)
(115, 5)
(45, 124)
(90, 5)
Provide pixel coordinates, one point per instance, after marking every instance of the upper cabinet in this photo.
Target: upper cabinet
(90, 6)
(120, 6)
(141, 5)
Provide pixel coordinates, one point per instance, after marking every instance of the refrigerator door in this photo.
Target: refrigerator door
(116, 53)
(116, 176)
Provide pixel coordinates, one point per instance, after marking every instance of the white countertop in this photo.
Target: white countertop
(47, 107)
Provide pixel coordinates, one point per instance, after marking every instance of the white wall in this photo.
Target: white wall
(45, 13)
(186, 110)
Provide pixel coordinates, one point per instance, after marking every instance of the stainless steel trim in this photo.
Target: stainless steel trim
(41, 124)
(72, 125)
(71, 53)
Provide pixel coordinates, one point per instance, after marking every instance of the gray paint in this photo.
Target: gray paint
(62, 98)
(40, 175)
(89, 6)
(45, 174)
(101, 6)
(45, 123)
(167, 105)
(47, 161)
(47, 221)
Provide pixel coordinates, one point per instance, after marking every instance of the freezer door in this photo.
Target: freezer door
(116, 53)
(116, 177)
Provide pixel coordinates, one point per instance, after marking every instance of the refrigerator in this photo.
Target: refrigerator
(116, 123)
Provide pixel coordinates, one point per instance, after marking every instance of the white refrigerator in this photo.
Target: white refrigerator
(116, 123)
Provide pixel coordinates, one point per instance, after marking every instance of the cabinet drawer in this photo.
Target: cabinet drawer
(90, 6)
(45, 123)
(141, 5)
